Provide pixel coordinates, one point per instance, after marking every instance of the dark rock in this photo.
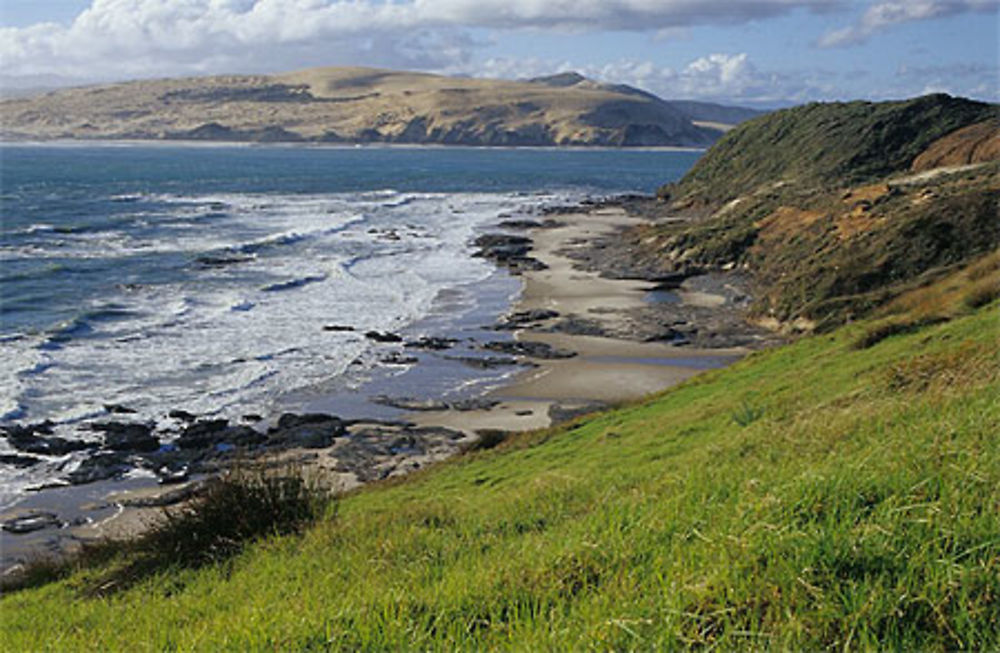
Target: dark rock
(530, 349)
(412, 404)
(203, 434)
(564, 412)
(672, 336)
(564, 209)
(486, 241)
(383, 336)
(394, 423)
(409, 403)
(33, 521)
(291, 420)
(484, 362)
(122, 436)
(311, 431)
(242, 436)
(221, 260)
(219, 440)
(524, 224)
(490, 438)
(432, 343)
(502, 248)
(252, 417)
(310, 436)
(520, 264)
(98, 468)
(476, 403)
(117, 409)
(182, 415)
(18, 460)
(338, 328)
(520, 224)
(579, 327)
(405, 443)
(373, 451)
(42, 428)
(27, 440)
(165, 499)
(521, 319)
(395, 358)
(436, 432)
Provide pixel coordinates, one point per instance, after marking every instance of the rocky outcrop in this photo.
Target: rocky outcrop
(976, 143)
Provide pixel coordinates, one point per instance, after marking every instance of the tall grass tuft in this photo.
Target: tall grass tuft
(747, 413)
(230, 512)
(234, 509)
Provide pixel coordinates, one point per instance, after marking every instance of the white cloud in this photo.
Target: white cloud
(640, 15)
(886, 14)
(720, 77)
(116, 38)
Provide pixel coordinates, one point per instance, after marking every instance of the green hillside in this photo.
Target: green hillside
(840, 492)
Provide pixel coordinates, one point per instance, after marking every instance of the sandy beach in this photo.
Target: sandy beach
(605, 370)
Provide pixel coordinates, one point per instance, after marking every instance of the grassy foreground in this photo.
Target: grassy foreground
(823, 495)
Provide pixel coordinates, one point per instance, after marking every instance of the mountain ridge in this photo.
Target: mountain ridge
(357, 105)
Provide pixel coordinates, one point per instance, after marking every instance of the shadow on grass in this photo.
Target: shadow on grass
(229, 513)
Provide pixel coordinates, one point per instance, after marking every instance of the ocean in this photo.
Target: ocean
(217, 279)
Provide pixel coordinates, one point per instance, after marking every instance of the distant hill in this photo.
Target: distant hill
(717, 113)
(716, 117)
(361, 105)
(834, 209)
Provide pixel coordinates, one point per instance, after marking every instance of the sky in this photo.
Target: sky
(749, 52)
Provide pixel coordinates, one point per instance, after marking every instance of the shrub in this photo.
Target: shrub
(227, 514)
(234, 509)
(882, 330)
(747, 413)
(982, 293)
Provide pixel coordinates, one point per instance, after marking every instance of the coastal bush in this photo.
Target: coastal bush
(819, 206)
(824, 143)
(982, 293)
(965, 289)
(879, 331)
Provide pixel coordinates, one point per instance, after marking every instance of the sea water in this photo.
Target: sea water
(162, 277)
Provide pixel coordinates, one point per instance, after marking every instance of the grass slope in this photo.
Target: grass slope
(841, 492)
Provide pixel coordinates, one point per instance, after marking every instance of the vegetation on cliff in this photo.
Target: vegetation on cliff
(836, 208)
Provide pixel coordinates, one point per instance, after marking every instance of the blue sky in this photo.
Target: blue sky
(752, 52)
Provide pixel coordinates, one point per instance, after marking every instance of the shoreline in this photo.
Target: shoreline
(578, 359)
(605, 369)
(115, 142)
